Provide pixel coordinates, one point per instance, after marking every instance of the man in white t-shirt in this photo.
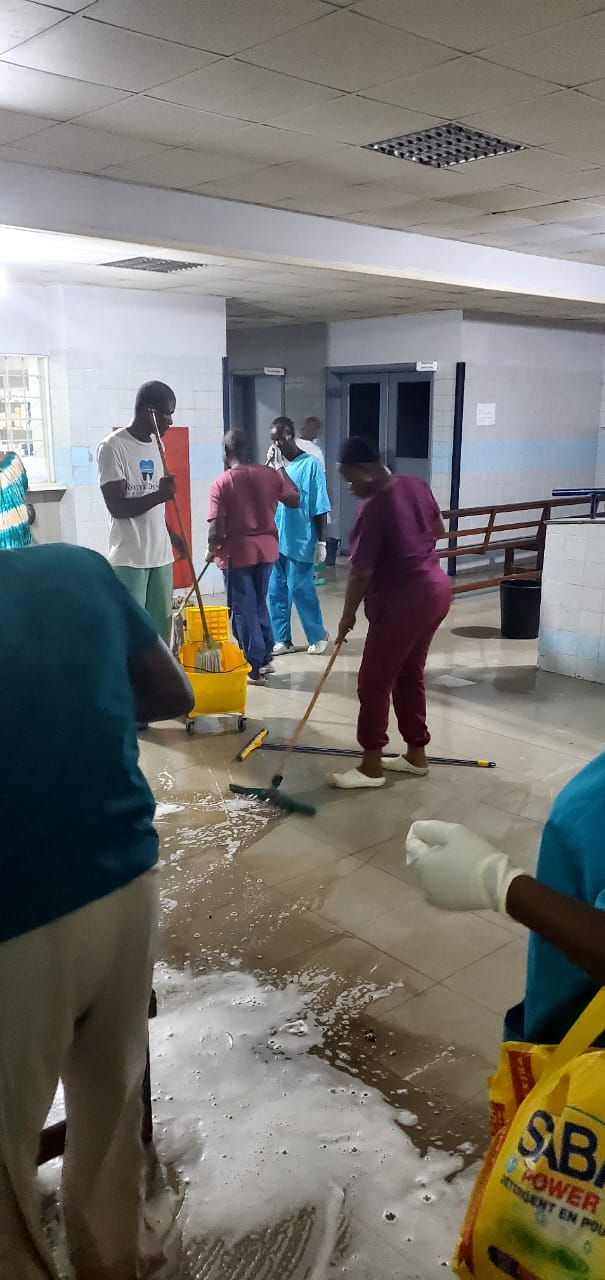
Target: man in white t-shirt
(135, 491)
(307, 440)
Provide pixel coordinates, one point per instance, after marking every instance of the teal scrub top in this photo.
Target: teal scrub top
(295, 526)
(572, 860)
(77, 813)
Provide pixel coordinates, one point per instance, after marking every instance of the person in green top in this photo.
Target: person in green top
(79, 899)
(14, 515)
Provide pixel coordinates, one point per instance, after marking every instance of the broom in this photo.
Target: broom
(271, 794)
(208, 656)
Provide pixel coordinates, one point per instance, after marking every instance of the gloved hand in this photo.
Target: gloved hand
(321, 552)
(458, 870)
(275, 457)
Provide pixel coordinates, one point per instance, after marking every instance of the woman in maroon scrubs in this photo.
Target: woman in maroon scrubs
(395, 570)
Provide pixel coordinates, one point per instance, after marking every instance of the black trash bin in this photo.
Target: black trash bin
(332, 545)
(520, 608)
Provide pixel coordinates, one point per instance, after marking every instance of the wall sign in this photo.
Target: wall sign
(274, 373)
(486, 415)
(426, 366)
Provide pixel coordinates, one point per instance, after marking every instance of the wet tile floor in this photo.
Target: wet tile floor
(403, 998)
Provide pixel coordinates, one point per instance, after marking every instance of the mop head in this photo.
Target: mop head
(273, 796)
(209, 660)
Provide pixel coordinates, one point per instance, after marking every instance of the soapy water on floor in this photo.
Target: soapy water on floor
(277, 1164)
(284, 1167)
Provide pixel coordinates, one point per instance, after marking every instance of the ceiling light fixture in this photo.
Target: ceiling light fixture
(444, 145)
(164, 266)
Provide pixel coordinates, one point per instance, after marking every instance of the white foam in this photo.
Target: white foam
(262, 1129)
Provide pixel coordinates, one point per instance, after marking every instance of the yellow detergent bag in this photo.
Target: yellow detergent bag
(538, 1208)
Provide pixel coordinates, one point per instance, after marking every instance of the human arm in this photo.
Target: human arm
(176, 542)
(438, 528)
(460, 871)
(159, 684)
(357, 585)
(217, 524)
(123, 508)
(319, 508)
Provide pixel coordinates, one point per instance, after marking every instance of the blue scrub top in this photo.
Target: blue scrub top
(572, 860)
(295, 526)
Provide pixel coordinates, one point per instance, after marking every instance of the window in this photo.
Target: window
(24, 413)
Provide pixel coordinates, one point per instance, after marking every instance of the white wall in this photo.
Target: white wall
(102, 344)
(546, 384)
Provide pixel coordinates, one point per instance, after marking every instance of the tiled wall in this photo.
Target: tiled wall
(572, 619)
(103, 343)
(546, 384)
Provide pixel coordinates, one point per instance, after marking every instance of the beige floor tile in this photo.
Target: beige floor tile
(434, 942)
(347, 895)
(288, 851)
(496, 981)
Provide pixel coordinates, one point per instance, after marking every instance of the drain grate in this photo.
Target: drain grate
(165, 266)
(444, 145)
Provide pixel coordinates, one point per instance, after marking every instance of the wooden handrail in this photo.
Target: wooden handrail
(491, 541)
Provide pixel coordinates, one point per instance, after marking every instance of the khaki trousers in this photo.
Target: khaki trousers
(74, 997)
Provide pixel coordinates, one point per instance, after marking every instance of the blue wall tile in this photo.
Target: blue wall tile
(526, 455)
(205, 461)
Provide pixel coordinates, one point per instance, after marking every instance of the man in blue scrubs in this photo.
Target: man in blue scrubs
(302, 545)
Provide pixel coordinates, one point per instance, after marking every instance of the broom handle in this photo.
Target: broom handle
(188, 555)
(303, 720)
(191, 589)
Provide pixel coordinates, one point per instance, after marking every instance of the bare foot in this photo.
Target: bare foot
(371, 764)
(417, 757)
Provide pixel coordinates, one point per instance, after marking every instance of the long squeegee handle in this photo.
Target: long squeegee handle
(303, 720)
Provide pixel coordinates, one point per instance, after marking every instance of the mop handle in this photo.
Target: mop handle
(188, 555)
(191, 589)
(303, 720)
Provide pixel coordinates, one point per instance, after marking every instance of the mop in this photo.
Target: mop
(258, 741)
(272, 794)
(208, 656)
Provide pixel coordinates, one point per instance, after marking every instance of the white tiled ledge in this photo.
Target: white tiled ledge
(572, 618)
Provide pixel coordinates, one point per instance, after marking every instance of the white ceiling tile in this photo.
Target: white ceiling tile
(460, 87)
(357, 120)
(596, 89)
(587, 147)
(162, 122)
(238, 89)
(531, 166)
(570, 54)
(222, 26)
(501, 200)
(470, 25)
(21, 19)
(566, 211)
(105, 55)
(180, 168)
(16, 124)
(561, 116)
(57, 97)
(276, 146)
(347, 51)
(70, 6)
(274, 183)
(71, 146)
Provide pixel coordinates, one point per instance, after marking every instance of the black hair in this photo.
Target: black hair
(358, 452)
(284, 422)
(153, 395)
(236, 444)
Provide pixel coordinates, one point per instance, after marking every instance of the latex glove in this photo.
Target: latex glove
(458, 870)
(275, 457)
(321, 552)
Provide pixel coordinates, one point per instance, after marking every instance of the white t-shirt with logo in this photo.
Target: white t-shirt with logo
(141, 542)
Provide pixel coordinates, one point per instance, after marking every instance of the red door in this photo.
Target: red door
(176, 442)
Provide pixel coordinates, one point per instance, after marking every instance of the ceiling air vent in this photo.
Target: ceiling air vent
(166, 266)
(444, 145)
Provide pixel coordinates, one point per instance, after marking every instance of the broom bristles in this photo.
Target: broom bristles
(209, 660)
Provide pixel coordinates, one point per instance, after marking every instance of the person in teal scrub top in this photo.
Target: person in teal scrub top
(302, 545)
